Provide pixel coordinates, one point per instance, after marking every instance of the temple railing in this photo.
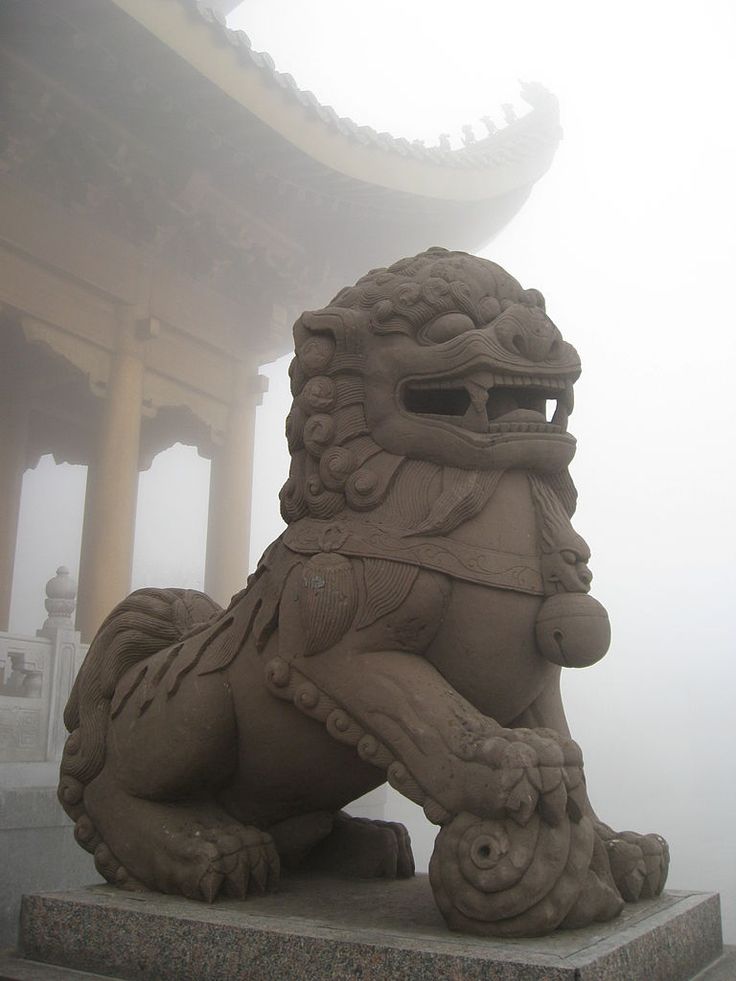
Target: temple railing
(36, 677)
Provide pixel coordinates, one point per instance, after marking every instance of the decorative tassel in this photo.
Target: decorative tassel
(329, 599)
(387, 584)
(464, 494)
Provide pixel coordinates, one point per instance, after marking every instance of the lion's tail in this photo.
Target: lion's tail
(144, 623)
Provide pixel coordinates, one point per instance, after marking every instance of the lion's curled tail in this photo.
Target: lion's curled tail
(144, 623)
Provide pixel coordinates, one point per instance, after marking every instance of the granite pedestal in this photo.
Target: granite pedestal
(327, 928)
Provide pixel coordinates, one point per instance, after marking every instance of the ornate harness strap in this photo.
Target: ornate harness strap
(472, 563)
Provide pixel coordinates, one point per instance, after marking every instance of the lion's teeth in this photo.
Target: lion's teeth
(569, 398)
(560, 416)
(478, 395)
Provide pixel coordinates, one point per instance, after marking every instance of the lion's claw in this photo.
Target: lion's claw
(203, 862)
(655, 861)
(553, 805)
(209, 885)
(535, 770)
(639, 863)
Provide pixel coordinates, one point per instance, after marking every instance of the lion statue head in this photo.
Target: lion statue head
(442, 358)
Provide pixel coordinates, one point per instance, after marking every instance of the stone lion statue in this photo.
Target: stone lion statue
(409, 625)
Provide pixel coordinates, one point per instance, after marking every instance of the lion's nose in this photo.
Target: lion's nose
(527, 331)
(584, 574)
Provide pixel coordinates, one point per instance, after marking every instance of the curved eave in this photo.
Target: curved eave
(509, 161)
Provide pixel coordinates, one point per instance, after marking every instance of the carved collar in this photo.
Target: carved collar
(471, 563)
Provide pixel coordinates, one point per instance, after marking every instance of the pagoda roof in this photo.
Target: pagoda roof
(507, 160)
(151, 121)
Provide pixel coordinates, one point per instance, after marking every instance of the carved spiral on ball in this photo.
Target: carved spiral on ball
(498, 878)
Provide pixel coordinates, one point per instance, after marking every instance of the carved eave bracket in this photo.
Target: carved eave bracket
(172, 415)
(90, 359)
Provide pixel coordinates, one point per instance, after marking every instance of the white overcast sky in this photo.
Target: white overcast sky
(631, 238)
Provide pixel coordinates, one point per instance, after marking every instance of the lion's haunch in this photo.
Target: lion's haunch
(573, 630)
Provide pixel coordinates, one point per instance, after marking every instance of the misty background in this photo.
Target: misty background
(631, 237)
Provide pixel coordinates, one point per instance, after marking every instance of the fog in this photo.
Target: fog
(630, 236)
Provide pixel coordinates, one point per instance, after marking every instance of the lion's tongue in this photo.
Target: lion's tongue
(520, 415)
(503, 406)
(490, 405)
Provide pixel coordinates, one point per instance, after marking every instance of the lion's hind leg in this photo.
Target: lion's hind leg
(153, 804)
(194, 849)
(338, 844)
(364, 849)
(150, 814)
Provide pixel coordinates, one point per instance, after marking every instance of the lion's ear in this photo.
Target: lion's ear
(345, 325)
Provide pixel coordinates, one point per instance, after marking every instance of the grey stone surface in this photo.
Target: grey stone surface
(724, 969)
(350, 929)
(38, 852)
(15, 968)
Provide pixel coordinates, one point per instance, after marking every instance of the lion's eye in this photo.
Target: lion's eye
(445, 327)
(569, 556)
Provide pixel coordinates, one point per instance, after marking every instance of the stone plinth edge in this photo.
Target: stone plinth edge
(334, 929)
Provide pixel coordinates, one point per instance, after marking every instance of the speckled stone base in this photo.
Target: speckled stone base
(335, 929)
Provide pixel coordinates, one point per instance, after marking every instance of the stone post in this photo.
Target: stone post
(231, 478)
(61, 592)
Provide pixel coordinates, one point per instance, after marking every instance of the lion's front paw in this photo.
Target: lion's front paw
(529, 771)
(639, 863)
(364, 849)
(201, 861)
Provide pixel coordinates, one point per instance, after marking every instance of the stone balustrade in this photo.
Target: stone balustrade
(36, 677)
(37, 846)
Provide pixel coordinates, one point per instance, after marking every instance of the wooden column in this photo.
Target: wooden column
(231, 479)
(13, 432)
(112, 491)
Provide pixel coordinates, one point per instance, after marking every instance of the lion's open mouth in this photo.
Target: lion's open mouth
(491, 403)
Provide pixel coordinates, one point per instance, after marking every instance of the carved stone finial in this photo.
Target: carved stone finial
(61, 600)
(536, 95)
(468, 135)
(509, 113)
(489, 125)
(444, 141)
